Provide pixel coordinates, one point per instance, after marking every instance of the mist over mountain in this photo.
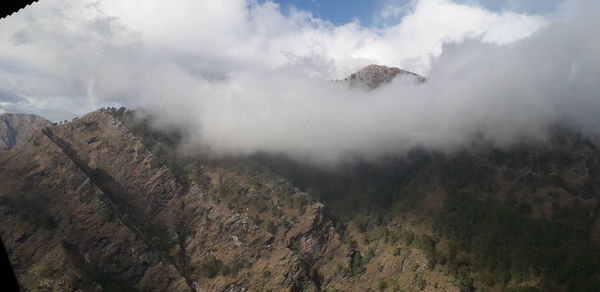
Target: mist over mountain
(238, 146)
(488, 76)
(501, 93)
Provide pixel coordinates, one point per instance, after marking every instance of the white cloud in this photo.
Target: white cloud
(242, 76)
(54, 47)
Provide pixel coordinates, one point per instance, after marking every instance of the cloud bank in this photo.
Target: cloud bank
(244, 76)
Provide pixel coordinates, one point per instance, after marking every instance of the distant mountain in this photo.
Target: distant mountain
(373, 76)
(15, 128)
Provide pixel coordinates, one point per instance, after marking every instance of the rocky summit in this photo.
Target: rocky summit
(373, 76)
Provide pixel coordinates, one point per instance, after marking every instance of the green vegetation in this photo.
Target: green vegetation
(500, 240)
(407, 237)
(299, 203)
(357, 264)
(427, 244)
(119, 113)
(494, 241)
(271, 227)
(211, 267)
(376, 233)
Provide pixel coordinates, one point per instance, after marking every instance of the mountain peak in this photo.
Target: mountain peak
(16, 127)
(373, 76)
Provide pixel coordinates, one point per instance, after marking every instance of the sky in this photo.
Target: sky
(247, 76)
(337, 11)
(368, 12)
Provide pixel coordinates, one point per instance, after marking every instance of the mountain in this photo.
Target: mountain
(107, 203)
(15, 128)
(373, 76)
(525, 218)
(87, 205)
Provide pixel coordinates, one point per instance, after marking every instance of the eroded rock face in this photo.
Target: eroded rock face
(63, 228)
(86, 205)
(15, 128)
(373, 76)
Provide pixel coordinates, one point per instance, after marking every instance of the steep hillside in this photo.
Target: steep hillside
(15, 128)
(525, 218)
(87, 205)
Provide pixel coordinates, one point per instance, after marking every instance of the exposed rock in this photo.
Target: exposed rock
(373, 76)
(93, 196)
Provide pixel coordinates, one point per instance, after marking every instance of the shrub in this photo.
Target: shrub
(427, 244)
(408, 237)
(376, 233)
(271, 227)
(211, 267)
(357, 264)
(237, 264)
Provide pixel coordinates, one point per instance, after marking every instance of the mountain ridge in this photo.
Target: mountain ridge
(118, 185)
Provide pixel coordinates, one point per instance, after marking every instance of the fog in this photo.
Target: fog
(247, 77)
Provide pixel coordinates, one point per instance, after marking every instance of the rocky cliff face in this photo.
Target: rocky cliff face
(86, 205)
(373, 76)
(15, 128)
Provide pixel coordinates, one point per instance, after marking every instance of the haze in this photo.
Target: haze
(239, 77)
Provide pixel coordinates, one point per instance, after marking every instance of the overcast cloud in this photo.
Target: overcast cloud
(244, 76)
